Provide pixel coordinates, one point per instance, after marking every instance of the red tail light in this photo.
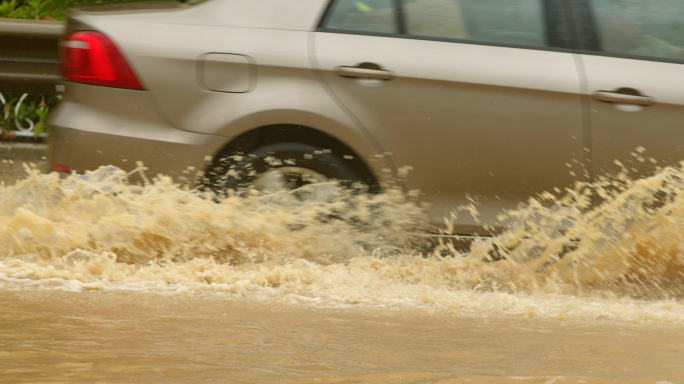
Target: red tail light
(90, 57)
(60, 168)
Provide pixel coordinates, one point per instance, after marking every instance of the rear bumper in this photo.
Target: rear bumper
(96, 126)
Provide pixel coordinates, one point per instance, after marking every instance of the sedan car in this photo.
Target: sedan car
(484, 102)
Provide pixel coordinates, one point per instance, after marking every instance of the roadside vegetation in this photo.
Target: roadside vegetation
(41, 9)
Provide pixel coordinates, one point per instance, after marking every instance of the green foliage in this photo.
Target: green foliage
(42, 9)
(33, 107)
(33, 9)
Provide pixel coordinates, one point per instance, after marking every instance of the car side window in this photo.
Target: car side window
(651, 29)
(514, 22)
(517, 22)
(375, 16)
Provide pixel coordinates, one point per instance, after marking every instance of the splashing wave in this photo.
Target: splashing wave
(607, 250)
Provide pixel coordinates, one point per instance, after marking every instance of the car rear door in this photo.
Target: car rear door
(479, 97)
(633, 57)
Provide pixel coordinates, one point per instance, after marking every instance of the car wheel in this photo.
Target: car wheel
(276, 168)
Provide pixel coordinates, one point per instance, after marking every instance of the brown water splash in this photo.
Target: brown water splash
(612, 249)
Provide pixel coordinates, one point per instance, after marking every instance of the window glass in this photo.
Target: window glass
(653, 28)
(496, 21)
(378, 16)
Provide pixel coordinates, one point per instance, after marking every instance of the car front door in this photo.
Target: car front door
(479, 98)
(634, 69)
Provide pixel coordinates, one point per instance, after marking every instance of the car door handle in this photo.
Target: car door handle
(623, 98)
(364, 73)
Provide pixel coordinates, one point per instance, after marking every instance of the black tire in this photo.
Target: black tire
(239, 172)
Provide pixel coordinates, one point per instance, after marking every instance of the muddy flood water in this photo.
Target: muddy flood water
(104, 282)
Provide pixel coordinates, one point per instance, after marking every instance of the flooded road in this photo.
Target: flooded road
(124, 337)
(105, 282)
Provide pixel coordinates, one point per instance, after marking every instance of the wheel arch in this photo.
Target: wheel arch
(253, 139)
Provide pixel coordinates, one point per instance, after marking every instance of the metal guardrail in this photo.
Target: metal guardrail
(29, 61)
